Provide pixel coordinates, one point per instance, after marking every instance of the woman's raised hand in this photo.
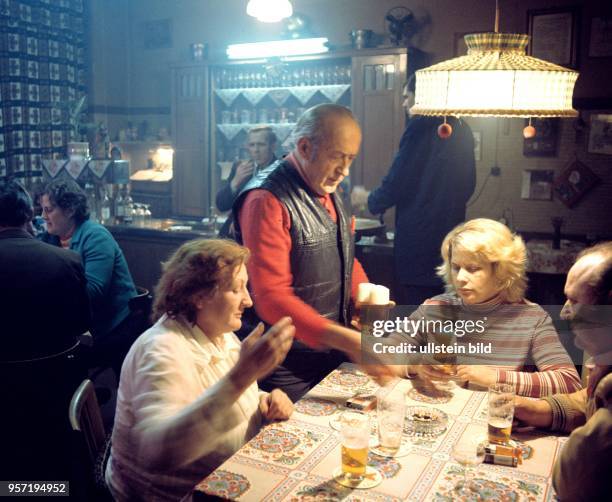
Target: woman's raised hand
(262, 352)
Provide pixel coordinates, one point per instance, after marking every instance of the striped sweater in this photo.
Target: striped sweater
(526, 350)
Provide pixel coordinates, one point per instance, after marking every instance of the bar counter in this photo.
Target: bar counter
(147, 244)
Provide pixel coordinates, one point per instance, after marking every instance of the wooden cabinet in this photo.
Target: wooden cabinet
(190, 119)
(216, 103)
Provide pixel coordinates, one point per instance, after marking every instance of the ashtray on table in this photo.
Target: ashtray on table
(425, 421)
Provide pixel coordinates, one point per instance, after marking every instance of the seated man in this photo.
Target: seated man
(580, 471)
(261, 143)
(43, 293)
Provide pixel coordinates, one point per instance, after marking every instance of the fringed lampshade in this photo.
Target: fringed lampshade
(496, 78)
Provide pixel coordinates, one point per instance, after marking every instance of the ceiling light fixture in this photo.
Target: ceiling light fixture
(495, 79)
(269, 11)
(277, 48)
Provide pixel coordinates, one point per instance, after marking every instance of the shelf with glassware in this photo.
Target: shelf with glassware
(275, 93)
(274, 96)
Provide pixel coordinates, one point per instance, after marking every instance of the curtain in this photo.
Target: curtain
(41, 79)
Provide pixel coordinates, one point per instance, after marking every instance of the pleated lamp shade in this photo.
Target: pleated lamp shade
(496, 78)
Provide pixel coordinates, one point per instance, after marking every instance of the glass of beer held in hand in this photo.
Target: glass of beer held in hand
(501, 412)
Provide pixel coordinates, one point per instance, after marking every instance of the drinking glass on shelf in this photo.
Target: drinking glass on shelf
(469, 451)
(501, 412)
(147, 216)
(138, 217)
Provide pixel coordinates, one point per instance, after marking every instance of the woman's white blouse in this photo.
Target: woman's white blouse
(174, 422)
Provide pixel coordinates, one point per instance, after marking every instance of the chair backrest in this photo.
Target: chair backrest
(85, 416)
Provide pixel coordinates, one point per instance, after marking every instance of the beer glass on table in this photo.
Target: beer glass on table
(501, 412)
(355, 432)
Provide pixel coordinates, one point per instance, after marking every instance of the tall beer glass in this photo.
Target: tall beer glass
(355, 431)
(501, 412)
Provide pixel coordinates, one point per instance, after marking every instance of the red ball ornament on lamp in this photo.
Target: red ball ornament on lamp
(445, 130)
(529, 132)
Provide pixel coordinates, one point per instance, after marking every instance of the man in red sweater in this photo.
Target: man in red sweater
(301, 239)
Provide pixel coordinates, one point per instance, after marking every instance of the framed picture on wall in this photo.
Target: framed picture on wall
(600, 134)
(537, 184)
(554, 35)
(600, 38)
(574, 183)
(544, 143)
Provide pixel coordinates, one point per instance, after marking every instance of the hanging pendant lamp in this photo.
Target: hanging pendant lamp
(495, 79)
(269, 11)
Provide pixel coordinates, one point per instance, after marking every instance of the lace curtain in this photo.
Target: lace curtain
(41, 78)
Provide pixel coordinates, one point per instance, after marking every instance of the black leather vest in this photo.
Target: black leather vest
(322, 251)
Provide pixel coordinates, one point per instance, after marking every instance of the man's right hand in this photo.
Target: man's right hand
(262, 352)
(244, 171)
(535, 412)
(349, 341)
(431, 372)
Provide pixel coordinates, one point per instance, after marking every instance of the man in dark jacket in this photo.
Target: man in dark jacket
(45, 307)
(261, 143)
(429, 183)
(302, 248)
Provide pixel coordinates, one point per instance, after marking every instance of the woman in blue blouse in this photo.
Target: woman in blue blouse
(109, 283)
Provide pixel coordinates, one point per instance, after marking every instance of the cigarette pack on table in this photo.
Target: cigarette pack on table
(363, 403)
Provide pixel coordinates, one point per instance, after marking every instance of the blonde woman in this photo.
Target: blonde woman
(484, 272)
(188, 397)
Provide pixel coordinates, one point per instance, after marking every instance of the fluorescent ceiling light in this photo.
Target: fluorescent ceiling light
(269, 11)
(276, 48)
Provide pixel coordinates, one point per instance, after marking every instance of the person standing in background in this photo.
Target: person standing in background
(261, 143)
(429, 183)
(301, 239)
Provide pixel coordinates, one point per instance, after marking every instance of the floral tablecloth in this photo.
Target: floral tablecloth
(294, 460)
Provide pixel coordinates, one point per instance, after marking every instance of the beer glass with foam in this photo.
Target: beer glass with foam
(501, 412)
(355, 432)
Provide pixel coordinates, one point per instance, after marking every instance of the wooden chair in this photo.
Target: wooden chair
(86, 418)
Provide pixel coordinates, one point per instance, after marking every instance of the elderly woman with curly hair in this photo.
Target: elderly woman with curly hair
(109, 283)
(188, 396)
(484, 271)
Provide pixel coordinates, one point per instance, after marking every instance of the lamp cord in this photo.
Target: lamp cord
(496, 16)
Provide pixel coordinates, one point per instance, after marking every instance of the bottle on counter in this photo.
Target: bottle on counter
(129, 206)
(92, 202)
(119, 206)
(147, 216)
(105, 209)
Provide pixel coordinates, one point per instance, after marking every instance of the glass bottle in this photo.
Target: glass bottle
(105, 209)
(119, 206)
(129, 206)
(147, 216)
(92, 202)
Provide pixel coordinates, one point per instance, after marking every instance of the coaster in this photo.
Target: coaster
(334, 422)
(370, 479)
(404, 449)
